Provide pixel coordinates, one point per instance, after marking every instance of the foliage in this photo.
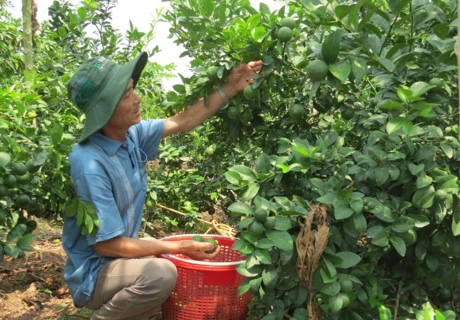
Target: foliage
(378, 143)
(39, 126)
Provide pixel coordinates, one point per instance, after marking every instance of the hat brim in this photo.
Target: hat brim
(110, 95)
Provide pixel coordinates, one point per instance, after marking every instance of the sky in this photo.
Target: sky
(141, 13)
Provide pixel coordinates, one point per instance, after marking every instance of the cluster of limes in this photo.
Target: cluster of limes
(244, 115)
(341, 300)
(19, 174)
(262, 222)
(210, 240)
(284, 32)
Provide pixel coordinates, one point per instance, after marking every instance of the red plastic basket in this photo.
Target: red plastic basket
(206, 290)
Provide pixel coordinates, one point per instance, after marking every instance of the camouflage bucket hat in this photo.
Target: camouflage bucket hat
(97, 87)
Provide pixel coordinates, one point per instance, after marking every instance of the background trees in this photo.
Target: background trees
(356, 109)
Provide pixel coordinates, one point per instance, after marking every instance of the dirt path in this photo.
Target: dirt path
(33, 287)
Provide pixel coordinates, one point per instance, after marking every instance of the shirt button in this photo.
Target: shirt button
(124, 145)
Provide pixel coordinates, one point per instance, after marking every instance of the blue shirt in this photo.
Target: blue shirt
(112, 176)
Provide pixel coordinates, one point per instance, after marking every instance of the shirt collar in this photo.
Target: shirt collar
(108, 145)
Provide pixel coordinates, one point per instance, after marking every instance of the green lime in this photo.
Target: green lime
(24, 178)
(269, 224)
(10, 181)
(345, 299)
(3, 190)
(437, 82)
(250, 93)
(285, 34)
(211, 73)
(31, 226)
(288, 22)
(257, 227)
(409, 237)
(317, 70)
(335, 303)
(5, 158)
(260, 215)
(19, 169)
(22, 200)
(297, 112)
(246, 116)
(233, 113)
(346, 285)
(445, 294)
(198, 238)
(209, 150)
(347, 113)
(214, 243)
(32, 205)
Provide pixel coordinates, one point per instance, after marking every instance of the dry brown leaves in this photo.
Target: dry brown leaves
(311, 243)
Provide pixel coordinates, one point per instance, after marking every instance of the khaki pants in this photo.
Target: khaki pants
(132, 288)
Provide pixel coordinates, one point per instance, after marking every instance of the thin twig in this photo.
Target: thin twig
(398, 295)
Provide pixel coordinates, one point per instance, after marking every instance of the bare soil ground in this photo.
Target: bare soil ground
(33, 287)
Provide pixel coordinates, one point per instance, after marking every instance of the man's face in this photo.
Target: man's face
(128, 110)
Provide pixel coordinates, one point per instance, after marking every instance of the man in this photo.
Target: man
(113, 272)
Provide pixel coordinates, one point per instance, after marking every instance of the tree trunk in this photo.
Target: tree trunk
(27, 34)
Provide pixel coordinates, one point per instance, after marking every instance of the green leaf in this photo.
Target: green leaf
(432, 262)
(71, 209)
(383, 213)
(395, 124)
(233, 177)
(399, 245)
(381, 175)
(423, 181)
(456, 222)
(349, 259)
(331, 289)
(327, 198)
(281, 239)
(340, 70)
(391, 105)
(341, 209)
(251, 191)
(56, 133)
(415, 169)
(403, 224)
(264, 243)
(283, 223)
(330, 267)
(25, 241)
(241, 208)
(12, 251)
(384, 313)
(270, 276)
(331, 47)
(423, 198)
(263, 163)
(246, 173)
(380, 239)
(360, 223)
(263, 256)
(448, 183)
(16, 232)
